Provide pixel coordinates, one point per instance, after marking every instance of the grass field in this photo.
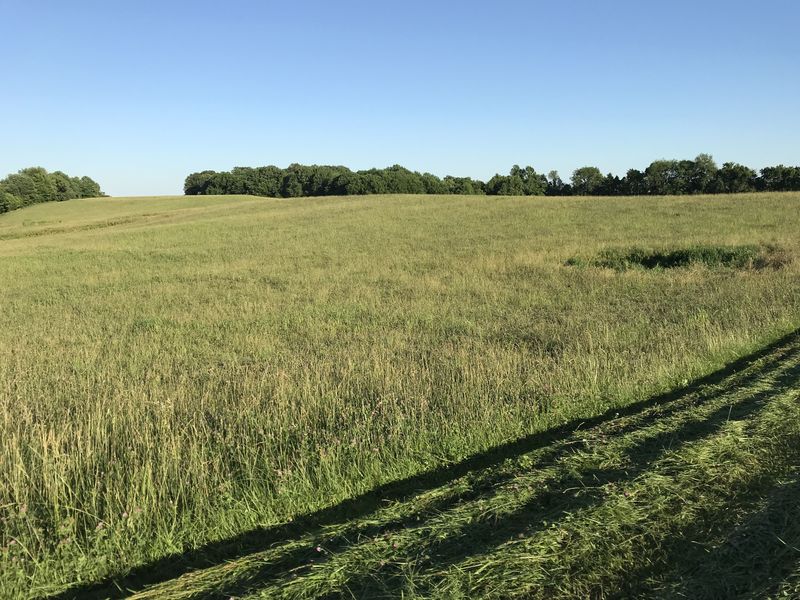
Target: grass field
(182, 379)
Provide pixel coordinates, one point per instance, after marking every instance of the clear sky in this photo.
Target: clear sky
(138, 94)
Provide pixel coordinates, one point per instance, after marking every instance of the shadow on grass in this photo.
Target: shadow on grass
(555, 503)
(757, 555)
(546, 506)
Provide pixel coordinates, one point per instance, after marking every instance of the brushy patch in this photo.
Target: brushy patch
(743, 257)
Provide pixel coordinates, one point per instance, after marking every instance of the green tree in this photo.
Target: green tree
(586, 181)
(433, 185)
(780, 179)
(64, 185)
(702, 173)
(268, 181)
(664, 177)
(504, 185)
(221, 183)
(533, 184)
(31, 185)
(35, 184)
(634, 183)
(89, 188)
(611, 186)
(9, 202)
(555, 185)
(197, 183)
(734, 178)
(463, 185)
(399, 180)
(291, 186)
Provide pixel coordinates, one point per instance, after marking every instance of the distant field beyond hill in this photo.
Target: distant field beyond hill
(181, 370)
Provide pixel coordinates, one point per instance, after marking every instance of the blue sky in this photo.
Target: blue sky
(139, 94)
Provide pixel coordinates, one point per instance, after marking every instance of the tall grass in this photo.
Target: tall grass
(177, 370)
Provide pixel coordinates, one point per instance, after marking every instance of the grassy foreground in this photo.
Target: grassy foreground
(182, 370)
(695, 494)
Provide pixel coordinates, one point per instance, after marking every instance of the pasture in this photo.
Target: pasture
(184, 379)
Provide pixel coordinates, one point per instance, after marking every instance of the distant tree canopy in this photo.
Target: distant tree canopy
(662, 177)
(320, 180)
(698, 176)
(586, 181)
(34, 185)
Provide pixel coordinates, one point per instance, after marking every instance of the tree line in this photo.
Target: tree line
(320, 180)
(661, 177)
(34, 185)
(698, 176)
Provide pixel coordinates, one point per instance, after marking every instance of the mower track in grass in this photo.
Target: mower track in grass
(692, 494)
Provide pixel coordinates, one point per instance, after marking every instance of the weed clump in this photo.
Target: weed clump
(745, 257)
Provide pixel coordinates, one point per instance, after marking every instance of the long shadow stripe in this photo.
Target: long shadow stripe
(299, 561)
(552, 505)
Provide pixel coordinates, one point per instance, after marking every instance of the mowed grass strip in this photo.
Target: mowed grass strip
(179, 371)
